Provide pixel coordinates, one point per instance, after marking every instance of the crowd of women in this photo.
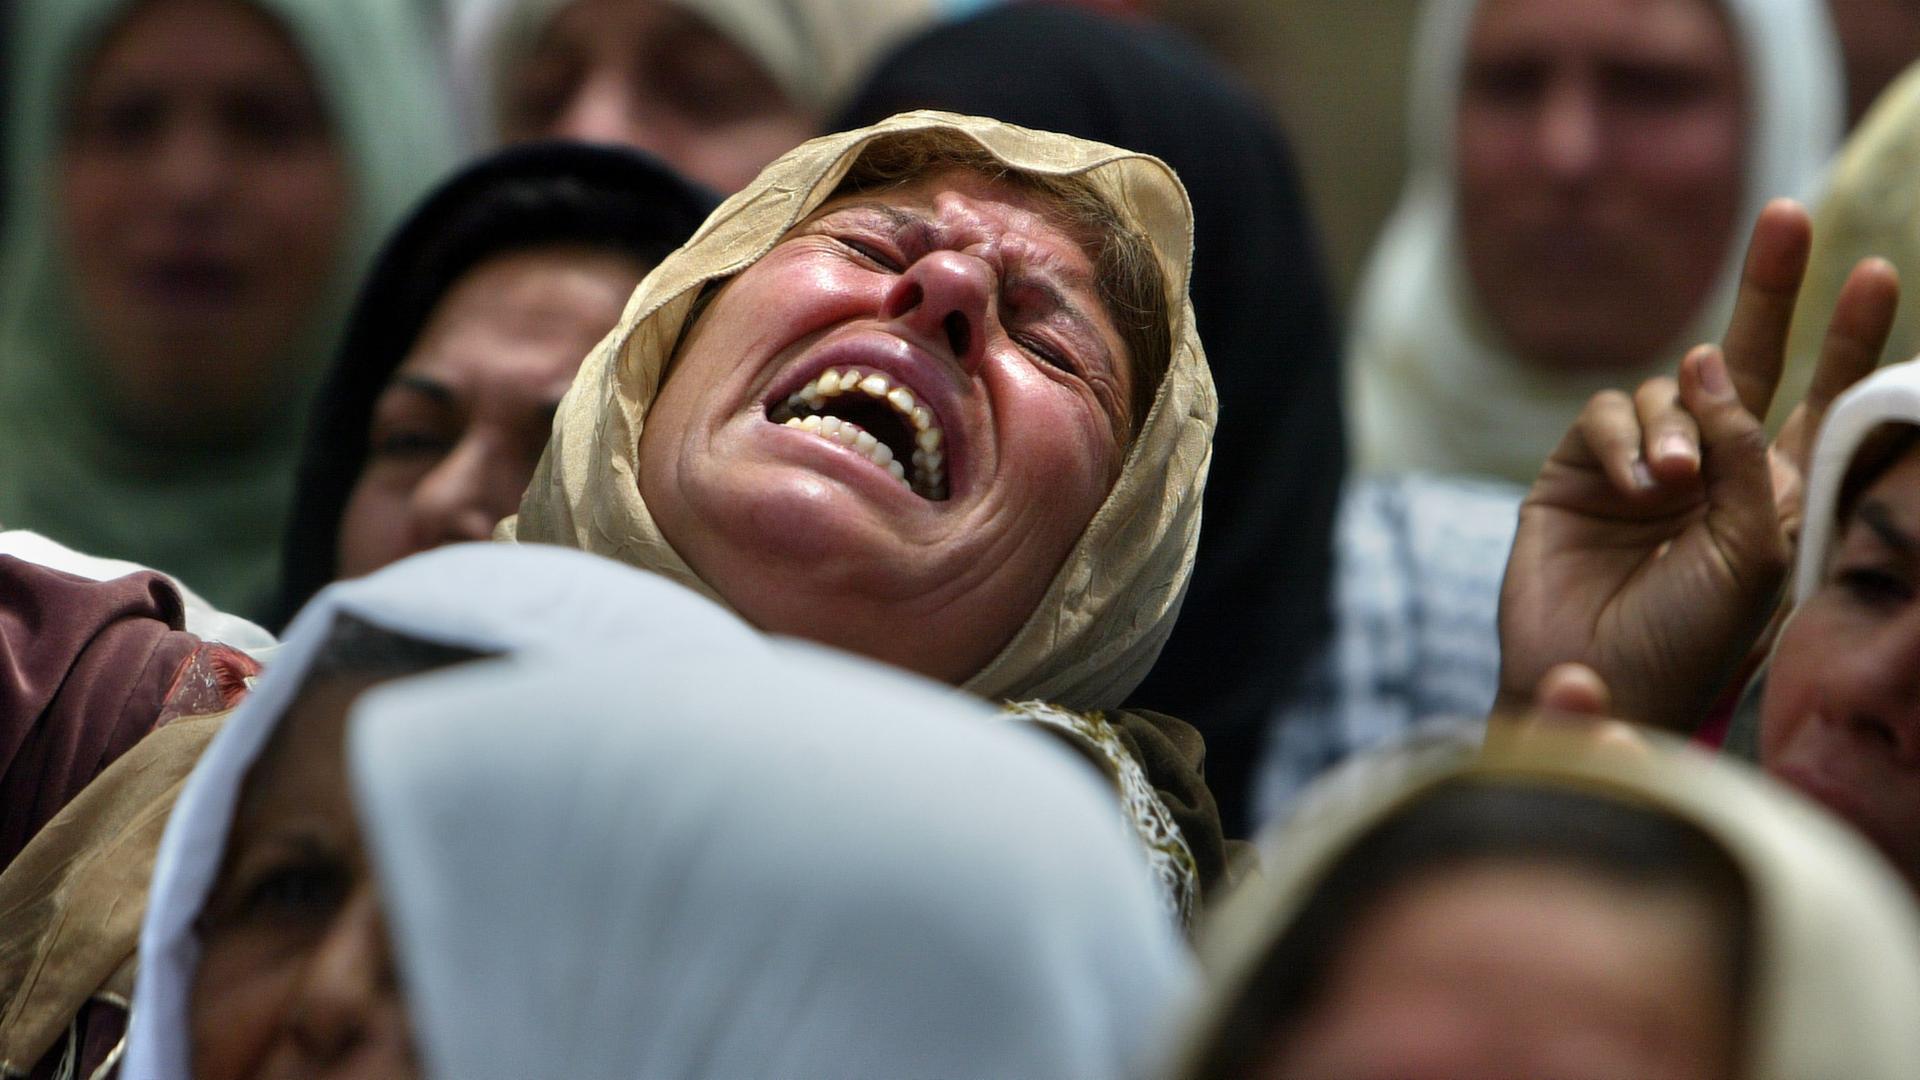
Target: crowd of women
(614, 538)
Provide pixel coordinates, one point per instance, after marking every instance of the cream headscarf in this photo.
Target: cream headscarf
(1835, 975)
(1872, 207)
(1431, 387)
(1112, 604)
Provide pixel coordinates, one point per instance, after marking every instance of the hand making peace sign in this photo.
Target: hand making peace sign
(1653, 545)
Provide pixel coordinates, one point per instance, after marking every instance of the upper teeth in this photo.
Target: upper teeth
(929, 463)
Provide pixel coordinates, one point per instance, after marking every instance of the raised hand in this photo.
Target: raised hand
(1653, 545)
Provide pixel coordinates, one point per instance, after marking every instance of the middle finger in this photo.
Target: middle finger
(1862, 319)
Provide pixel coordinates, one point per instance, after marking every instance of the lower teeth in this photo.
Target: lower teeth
(928, 482)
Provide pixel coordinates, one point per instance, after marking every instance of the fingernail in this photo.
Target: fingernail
(1713, 373)
(1642, 476)
(1675, 446)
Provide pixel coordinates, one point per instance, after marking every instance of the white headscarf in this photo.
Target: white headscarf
(1888, 396)
(529, 601)
(1431, 388)
(806, 867)
(1834, 983)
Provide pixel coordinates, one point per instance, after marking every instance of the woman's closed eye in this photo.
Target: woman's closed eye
(1048, 353)
(412, 425)
(541, 95)
(293, 885)
(303, 889)
(270, 122)
(876, 254)
(123, 121)
(409, 443)
(1875, 586)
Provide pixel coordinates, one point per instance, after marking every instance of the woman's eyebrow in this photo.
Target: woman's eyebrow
(1876, 515)
(903, 221)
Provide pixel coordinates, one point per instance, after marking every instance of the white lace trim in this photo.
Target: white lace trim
(1166, 847)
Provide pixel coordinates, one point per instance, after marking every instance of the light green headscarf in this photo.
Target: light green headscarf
(213, 519)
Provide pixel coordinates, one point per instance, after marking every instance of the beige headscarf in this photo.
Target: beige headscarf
(1872, 207)
(1113, 602)
(1836, 963)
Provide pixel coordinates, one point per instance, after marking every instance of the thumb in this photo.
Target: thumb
(1733, 465)
(1573, 689)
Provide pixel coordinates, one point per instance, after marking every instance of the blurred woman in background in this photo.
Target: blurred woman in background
(195, 186)
(1553, 910)
(1582, 173)
(467, 333)
(717, 88)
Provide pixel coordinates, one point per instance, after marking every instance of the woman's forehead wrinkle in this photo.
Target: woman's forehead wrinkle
(1031, 253)
(903, 222)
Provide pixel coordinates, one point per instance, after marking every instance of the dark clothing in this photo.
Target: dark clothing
(1174, 757)
(534, 196)
(86, 671)
(99, 1031)
(1257, 610)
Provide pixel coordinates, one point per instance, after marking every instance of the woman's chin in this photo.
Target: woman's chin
(762, 530)
(1889, 828)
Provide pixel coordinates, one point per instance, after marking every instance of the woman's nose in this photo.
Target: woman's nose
(190, 164)
(1567, 135)
(599, 111)
(942, 301)
(461, 498)
(348, 996)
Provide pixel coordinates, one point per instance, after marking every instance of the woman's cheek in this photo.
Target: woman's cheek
(237, 1009)
(1094, 441)
(1792, 678)
(98, 213)
(300, 220)
(375, 527)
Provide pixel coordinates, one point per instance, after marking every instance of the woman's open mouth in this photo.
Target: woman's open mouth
(866, 412)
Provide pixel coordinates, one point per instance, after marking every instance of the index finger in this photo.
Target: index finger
(1756, 341)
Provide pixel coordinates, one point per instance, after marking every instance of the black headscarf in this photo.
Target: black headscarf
(1257, 609)
(537, 195)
